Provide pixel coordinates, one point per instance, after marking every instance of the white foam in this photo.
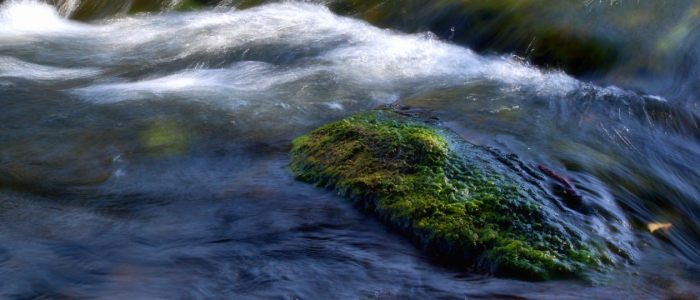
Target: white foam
(21, 17)
(335, 106)
(352, 59)
(12, 67)
(241, 81)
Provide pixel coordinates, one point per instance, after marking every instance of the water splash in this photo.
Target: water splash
(22, 17)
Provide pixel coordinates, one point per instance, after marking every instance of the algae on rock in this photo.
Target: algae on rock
(457, 200)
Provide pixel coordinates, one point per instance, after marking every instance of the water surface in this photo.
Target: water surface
(145, 156)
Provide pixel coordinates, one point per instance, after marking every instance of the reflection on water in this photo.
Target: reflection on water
(145, 156)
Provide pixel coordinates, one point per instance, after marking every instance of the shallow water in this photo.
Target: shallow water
(145, 156)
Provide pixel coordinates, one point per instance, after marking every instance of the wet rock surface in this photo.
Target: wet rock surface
(460, 202)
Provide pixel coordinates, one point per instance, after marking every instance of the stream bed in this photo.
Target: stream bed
(145, 156)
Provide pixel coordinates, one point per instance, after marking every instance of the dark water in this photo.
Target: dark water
(143, 155)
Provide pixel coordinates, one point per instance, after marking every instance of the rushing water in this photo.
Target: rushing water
(144, 156)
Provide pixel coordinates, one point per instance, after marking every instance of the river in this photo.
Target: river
(144, 149)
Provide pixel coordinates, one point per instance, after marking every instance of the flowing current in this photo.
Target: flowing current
(144, 156)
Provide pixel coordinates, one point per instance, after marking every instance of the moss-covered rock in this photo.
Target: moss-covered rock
(459, 201)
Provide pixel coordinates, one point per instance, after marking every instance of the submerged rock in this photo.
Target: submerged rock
(463, 203)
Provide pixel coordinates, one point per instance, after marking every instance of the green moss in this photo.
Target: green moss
(454, 198)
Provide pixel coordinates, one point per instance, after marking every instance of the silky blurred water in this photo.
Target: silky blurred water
(144, 155)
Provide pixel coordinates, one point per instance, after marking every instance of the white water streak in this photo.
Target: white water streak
(12, 67)
(350, 58)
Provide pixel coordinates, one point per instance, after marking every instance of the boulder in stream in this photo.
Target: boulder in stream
(465, 204)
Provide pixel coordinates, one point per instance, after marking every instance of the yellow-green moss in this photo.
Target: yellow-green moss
(456, 206)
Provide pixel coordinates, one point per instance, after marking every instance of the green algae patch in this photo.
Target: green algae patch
(164, 138)
(457, 200)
